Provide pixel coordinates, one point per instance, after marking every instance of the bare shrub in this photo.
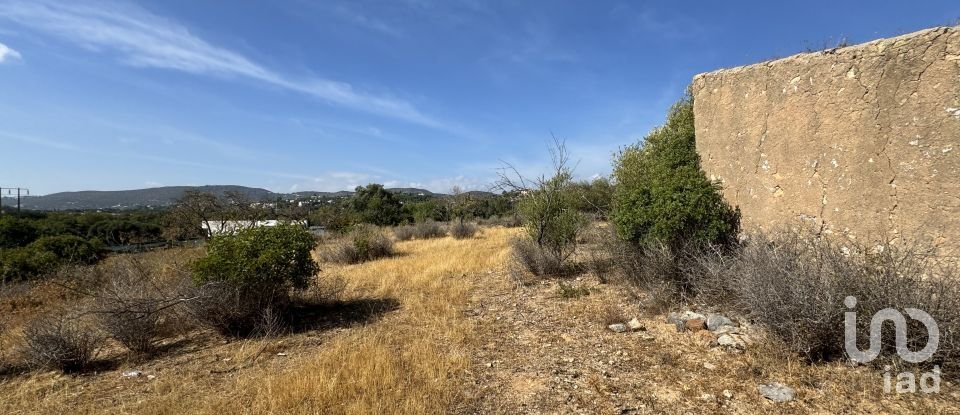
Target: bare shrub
(610, 314)
(654, 268)
(234, 311)
(404, 233)
(60, 342)
(536, 260)
(461, 230)
(507, 221)
(796, 286)
(422, 230)
(363, 243)
(135, 309)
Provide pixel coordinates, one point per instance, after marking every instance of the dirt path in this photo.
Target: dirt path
(539, 353)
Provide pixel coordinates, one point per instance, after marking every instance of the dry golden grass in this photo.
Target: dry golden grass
(456, 336)
(405, 361)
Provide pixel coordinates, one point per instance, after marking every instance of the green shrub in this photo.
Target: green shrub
(16, 232)
(250, 274)
(265, 258)
(45, 255)
(662, 195)
(363, 243)
(69, 249)
(568, 292)
(21, 264)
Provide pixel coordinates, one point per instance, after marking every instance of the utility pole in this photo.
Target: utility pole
(10, 192)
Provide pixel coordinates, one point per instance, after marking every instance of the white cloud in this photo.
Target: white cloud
(144, 39)
(8, 54)
(366, 21)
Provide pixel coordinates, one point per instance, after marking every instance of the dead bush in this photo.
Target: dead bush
(404, 233)
(610, 314)
(60, 342)
(422, 230)
(363, 243)
(135, 309)
(234, 311)
(654, 268)
(531, 257)
(463, 230)
(795, 285)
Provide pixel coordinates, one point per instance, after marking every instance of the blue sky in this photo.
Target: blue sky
(327, 95)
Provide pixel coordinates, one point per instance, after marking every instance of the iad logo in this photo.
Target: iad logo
(906, 381)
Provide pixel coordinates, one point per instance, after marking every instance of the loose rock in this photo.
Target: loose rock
(728, 340)
(716, 321)
(635, 325)
(695, 324)
(618, 327)
(777, 392)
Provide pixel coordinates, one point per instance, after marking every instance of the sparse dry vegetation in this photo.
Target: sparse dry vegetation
(423, 230)
(463, 230)
(363, 243)
(61, 341)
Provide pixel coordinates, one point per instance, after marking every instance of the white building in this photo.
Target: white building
(217, 227)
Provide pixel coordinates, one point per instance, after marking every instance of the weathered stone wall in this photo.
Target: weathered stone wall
(862, 141)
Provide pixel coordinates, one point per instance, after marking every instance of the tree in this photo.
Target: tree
(461, 204)
(547, 205)
(195, 215)
(663, 196)
(594, 197)
(376, 205)
(423, 211)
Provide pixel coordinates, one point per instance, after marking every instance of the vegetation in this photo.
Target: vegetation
(663, 197)
(363, 243)
(462, 230)
(375, 205)
(422, 230)
(252, 271)
(61, 342)
(594, 197)
(547, 209)
(135, 308)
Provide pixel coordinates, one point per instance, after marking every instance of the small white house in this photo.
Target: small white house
(217, 227)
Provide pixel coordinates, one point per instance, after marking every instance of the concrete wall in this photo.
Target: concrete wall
(862, 141)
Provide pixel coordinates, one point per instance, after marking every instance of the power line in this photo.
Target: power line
(10, 192)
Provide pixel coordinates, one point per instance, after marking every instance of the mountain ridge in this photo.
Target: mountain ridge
(165, 196)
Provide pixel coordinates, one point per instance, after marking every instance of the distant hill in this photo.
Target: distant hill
(159, 197)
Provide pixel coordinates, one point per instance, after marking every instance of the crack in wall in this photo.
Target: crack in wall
(894, 90)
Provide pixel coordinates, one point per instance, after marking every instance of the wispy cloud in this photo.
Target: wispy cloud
(8, 54)
(144, 39)
(367, 21)
(538, 43)
(651, 22)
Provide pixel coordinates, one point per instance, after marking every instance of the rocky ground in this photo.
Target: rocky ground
(547, 350)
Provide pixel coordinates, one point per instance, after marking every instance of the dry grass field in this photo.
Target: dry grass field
(442, 327)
